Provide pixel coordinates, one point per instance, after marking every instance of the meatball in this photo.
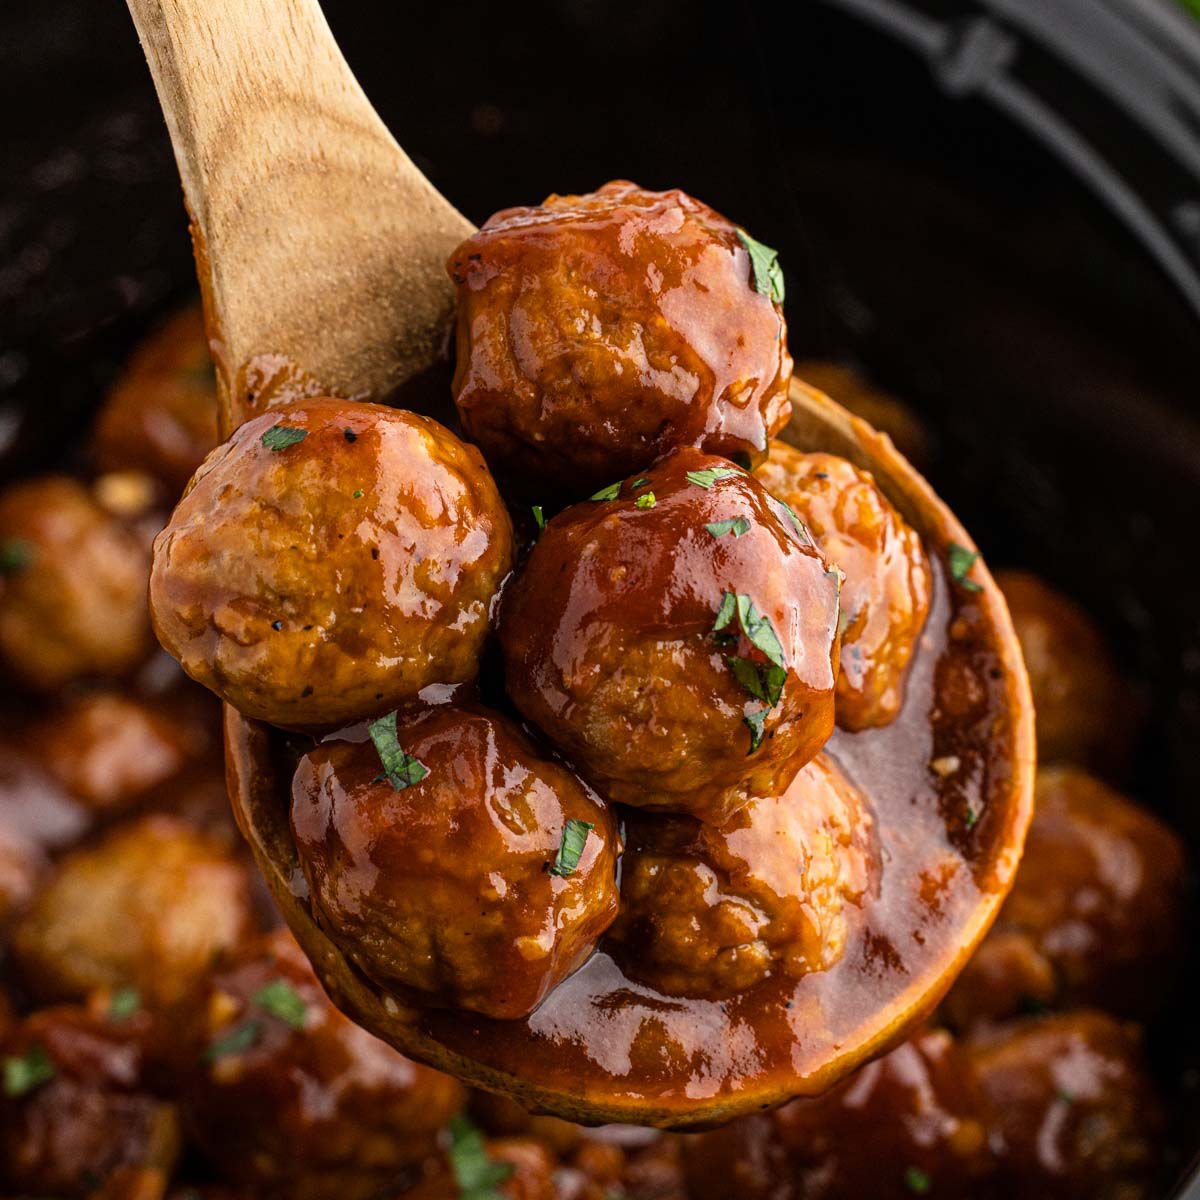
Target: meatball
(161, 415)
(513, 1168)
(109, 750)
(1095, 913)
(881, 410)
(904, 1125)
(676, 636)
(1083, 710)
(710, 910)
(285, 1093)
(477, 877)
(77, 1104)
(148, 906)
(330, 561)
(72, 586)
(597, 331)
(887, 585)
(1068, 1100)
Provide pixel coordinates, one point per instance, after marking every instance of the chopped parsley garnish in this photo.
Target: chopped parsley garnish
(240, 1038)
(401, 769)
(607, 493)
(282, 1000)
(645, 500)
(798, 524)
(707, 476)
(15, 555)
(476, 1174)
(764, 263)
(574, 837)
(358, 493)
(25, 1072)
(917, 1181)
(735, 525)
(754, 722)
(641, 482)
(960, 560)
(764, 681)
(539, 516)
(755, 625)
(280, 437)
(123, 1003)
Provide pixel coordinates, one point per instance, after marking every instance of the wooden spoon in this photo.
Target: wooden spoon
(318, 241)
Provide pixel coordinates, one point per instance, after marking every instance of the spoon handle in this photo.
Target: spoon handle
(318, 242)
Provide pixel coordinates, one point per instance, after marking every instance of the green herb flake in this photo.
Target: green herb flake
(15, 555)
(539, 516)
(764, 681)
(707, 476)
(280, 437)
(1064, 1097)
(607, 493)
(240, 1038)
(641, 482)
(282, 1000)
(960, 560)
(23, 1073)
(726, 612)
(123, 1003)
(797, 524)
(645, 500)
(574, 837)
(917, 1181)
(401, 769)
(970, 818)
(358, 492)
(759, 630)
(735, 525)
(477, 1175)
(764, 262)
(754, 722)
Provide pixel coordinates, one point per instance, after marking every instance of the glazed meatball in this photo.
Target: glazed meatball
(285, 1093)
(1068, 1100)
(906, 1124)
(330, 561)
(522, 1169)
(109, 750)
(161, 415)
(881, 410)
(887, 585)
(478, 879)
(148, 906)
(1083, 711)
(1094, 916)
(78, 1105)
(597, 331)
(710, 910)
(72, 586)
(676, 636)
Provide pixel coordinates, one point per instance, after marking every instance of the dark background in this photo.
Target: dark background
(923, 233)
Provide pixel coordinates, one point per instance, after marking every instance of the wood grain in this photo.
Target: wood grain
(318, 241)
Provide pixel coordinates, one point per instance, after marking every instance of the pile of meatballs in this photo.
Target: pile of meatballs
(620, 634)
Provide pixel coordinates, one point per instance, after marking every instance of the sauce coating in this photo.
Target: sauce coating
(712, 910)
(307, 1104)
(1094, 915)
(597, 331)
(334, 572)
(885, 593)
(452, 888)
(621, 646)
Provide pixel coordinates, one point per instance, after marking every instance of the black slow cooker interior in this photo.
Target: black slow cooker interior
(924, 234)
